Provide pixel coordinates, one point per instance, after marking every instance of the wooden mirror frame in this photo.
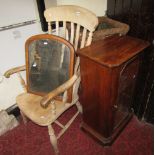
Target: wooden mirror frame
(55, 38)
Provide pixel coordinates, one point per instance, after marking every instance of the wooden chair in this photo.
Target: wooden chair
(75, 24)
(43, 107)
(50, 88)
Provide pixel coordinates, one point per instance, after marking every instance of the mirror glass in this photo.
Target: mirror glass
(48, 65)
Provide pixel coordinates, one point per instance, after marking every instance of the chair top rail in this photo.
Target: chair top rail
(73, 14)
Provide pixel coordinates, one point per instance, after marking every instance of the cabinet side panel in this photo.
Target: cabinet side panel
(95, 96)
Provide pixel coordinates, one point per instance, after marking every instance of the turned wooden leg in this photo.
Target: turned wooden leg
(23, 117)
(53, 139)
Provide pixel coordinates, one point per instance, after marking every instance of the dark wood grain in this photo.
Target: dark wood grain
(114, 50)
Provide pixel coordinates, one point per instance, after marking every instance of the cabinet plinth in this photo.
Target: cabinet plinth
(109, 69)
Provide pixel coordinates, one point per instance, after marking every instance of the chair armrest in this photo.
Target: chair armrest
(46, 99)
(14, 70)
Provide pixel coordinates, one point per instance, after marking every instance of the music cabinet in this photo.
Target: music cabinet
(109, 69)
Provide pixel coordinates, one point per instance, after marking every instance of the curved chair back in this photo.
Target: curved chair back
(77, 23)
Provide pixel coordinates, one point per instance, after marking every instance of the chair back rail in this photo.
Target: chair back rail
(78, 23)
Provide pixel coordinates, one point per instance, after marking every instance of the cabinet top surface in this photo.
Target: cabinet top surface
(114, 50)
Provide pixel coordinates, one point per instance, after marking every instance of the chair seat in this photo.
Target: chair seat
(29, 104)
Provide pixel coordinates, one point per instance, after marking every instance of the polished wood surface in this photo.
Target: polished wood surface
(109, 70)
(114, 50)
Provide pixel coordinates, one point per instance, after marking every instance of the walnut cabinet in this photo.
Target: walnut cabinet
(109, 70)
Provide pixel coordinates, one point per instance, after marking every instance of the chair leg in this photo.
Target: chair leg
(53, 139)
(79, 107)
(23, 117)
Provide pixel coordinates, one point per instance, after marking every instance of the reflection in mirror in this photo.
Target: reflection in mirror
(48, 65)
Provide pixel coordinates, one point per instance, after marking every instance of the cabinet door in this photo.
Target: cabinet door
(127, 79)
